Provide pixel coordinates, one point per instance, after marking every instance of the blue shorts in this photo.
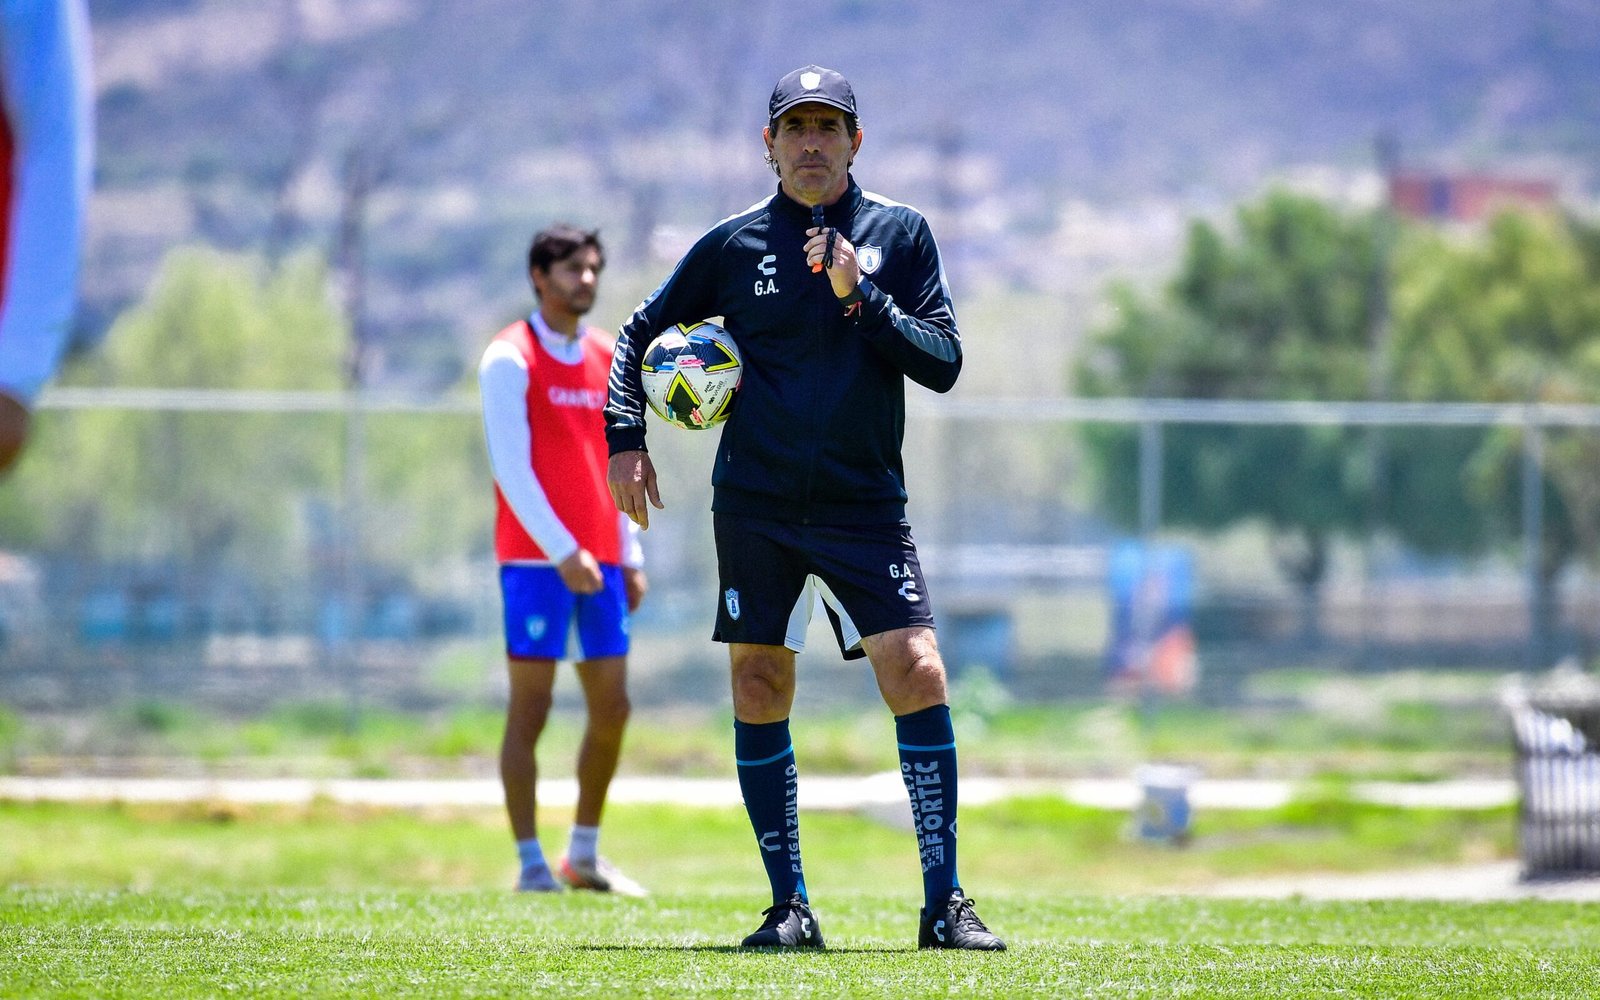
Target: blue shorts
(540, 612)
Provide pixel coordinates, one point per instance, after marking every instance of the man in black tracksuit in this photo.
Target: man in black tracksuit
(834, 297)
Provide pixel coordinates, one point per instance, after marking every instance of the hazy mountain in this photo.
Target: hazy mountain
(1052, 144)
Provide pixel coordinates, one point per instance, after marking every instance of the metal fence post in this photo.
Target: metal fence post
(1533, 535)
(348, 658)
(1150, 462)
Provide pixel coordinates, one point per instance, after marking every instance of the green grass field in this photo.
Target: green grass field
(1378, 734)
(208, 900)
(211, 899)
(171, 943)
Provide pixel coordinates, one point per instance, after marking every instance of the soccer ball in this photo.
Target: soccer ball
(690, 375)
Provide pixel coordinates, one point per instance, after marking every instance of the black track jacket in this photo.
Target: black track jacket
(816, 429)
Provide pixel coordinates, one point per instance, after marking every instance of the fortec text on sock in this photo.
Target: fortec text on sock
(926, 787)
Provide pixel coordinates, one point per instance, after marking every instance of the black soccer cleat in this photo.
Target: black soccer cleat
(956, 926)
(789, 924)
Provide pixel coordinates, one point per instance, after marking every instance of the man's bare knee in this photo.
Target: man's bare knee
(757, 683)
(609, 713)
(909, 669)
(526, 717)
(524, 728)
(605, 694)
(763, 682)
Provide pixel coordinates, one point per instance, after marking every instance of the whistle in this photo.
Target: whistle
(816, 223)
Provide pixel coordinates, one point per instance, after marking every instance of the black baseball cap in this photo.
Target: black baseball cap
(812, 85)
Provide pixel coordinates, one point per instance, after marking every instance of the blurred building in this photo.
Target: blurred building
(1465, 197)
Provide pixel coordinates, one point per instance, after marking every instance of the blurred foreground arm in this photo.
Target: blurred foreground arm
(46, 138)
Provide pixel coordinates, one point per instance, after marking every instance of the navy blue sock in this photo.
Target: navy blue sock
(928, 767)
(767, 777)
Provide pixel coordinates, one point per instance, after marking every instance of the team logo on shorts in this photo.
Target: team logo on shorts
(869, 257)
(731, 599)
(535, 626)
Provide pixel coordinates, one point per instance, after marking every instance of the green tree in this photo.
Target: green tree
(430, 490)
(246, 520)
(1282, 309)
(1512, 315)
(196, 488)
(263, 494)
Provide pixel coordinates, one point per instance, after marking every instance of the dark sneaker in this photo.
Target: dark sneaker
(957, 926)
(790, 924)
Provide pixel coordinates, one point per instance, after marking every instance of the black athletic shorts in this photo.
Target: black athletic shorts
(771, 574)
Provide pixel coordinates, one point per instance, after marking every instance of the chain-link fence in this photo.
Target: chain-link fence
(246, 549)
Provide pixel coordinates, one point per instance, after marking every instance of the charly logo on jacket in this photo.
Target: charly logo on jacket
(731, 599)
(869, 257)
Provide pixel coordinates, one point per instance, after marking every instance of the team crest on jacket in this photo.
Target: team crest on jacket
(731, 599)
(869, 257)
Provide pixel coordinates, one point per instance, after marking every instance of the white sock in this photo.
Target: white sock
(585, 843)
(531, 854)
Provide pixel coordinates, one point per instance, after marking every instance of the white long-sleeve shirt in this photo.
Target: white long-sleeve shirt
(503, 384)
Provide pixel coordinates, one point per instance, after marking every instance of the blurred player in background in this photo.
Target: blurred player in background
(835, 297)
(566, 556)
(46, 153)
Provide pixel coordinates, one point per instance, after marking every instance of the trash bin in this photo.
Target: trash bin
(1163, 812)
(1558, 780)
